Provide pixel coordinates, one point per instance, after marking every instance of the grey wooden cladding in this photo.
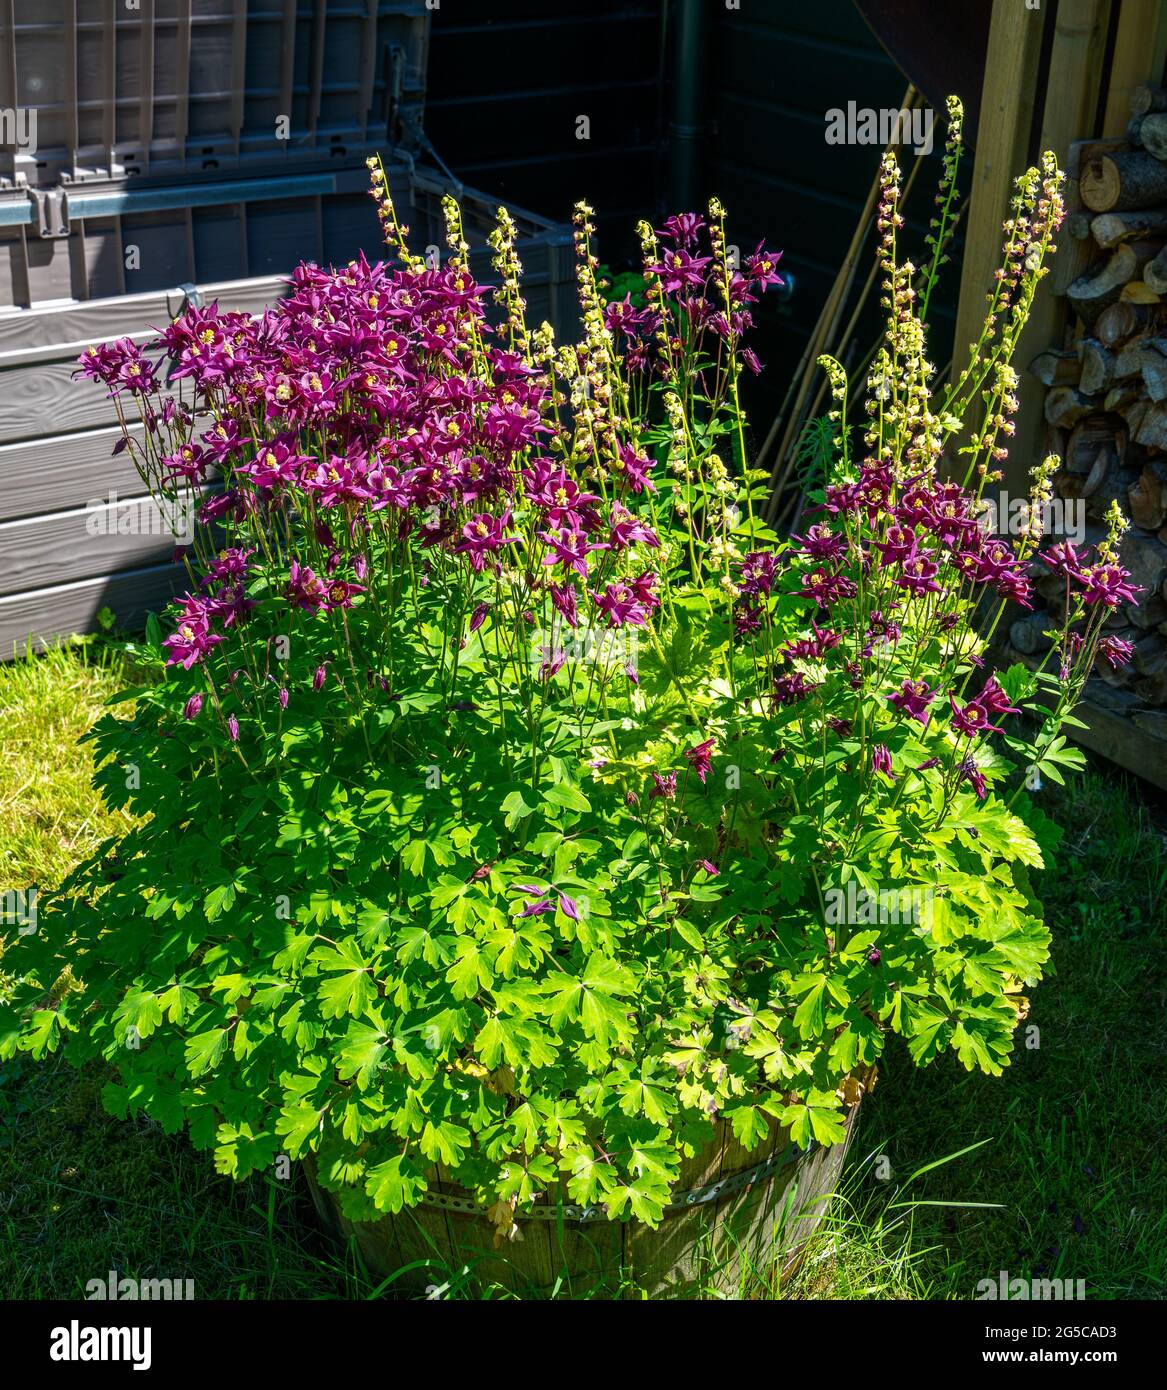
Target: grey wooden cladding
(50, 475)
(58, 567)
(42, 398)
(44, 614)
(65, 551)
(41, 551)
(38, 393)
(55, 325)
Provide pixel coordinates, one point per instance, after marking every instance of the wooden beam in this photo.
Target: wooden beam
(1140, 53)
(1070, 113)
(1002, 146)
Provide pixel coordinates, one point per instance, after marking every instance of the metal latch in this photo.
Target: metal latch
(188, 295)
(52, 212)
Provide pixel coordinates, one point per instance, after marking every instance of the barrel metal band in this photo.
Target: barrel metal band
(683, 1201)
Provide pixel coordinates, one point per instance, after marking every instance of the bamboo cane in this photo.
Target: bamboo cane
(805, 374)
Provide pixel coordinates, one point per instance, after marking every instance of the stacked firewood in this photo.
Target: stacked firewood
(1106, 406)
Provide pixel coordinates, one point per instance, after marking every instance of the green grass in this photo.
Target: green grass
(49, 816)
(1060, 1168)
(1076, 1157)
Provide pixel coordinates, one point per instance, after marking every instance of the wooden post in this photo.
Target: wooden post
(1002, 145)
(1140, 51)
(1070, 113)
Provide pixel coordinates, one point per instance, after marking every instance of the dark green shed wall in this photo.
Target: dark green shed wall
(508, 79)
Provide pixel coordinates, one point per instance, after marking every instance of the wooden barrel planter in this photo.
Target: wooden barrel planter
(732, 1212)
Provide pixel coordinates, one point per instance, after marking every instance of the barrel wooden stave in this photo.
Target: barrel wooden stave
(713, 1247)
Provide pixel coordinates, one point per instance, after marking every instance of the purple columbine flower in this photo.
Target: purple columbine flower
(191, 708)
(710, 868)
(827, 589)
(194, 638)
(636, 468)
(478, 617)
(681, 228)
(811, 648)
(283, 697)
(1115, 651)
(759, 569)
(746, 619)
(663, 785)
(627, 529)
(791, 688)
(899, 546)
(568, 907)
(305, 588)
(881, 759)
(553, 662)
(563, 597)
(821, 543)
(969, 772)
(919, 576)
(1107, 584)
(1064, 559)
(678, 270)
(699, 758)
(484, 534)
(620, 607)
(570, 549)
(320, 676)
(994, 699)
(972, 720)
(233, 728)
(913, 699)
